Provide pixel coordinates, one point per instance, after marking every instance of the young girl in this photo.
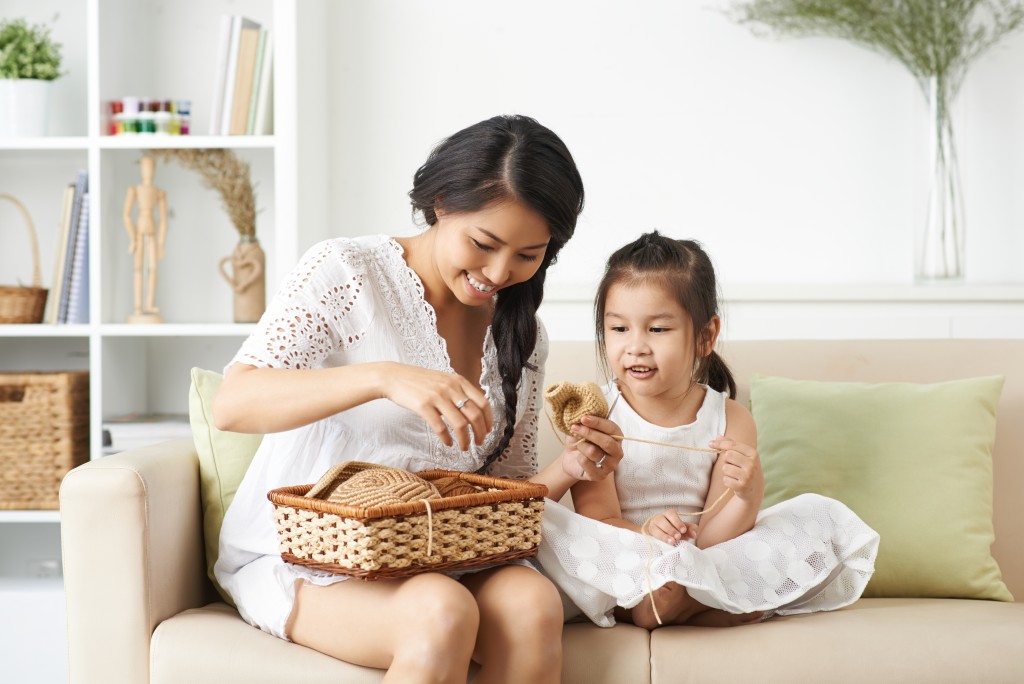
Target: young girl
(418, 353)
(635, 541)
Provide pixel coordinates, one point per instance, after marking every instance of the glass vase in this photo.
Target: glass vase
(940, 241)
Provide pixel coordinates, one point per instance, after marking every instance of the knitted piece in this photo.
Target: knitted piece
(454, 486)
(571, 401)
(380, 486)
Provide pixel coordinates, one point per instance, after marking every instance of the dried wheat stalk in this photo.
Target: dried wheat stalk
(224, 172)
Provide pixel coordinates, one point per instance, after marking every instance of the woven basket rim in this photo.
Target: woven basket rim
(505, 490)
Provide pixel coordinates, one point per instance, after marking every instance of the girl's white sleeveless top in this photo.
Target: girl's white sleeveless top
(652, 479)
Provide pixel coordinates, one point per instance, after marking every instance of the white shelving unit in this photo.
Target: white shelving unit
(112, 49)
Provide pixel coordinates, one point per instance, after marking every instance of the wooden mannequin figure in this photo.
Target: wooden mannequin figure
(142, 233)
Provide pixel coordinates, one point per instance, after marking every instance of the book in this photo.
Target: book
(60, 254)
(231, 73)
(142, 429)
(220, 73)
(81, 187)
(248, 44)
(257, 76)
(78, 289)
(263, 123)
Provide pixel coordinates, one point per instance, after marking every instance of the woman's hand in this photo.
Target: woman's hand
(437, 397)
(741, 469)
(596, 452)
(669, 528)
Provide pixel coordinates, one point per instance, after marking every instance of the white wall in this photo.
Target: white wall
(794, 161)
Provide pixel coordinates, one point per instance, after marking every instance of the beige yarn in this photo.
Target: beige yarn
(570, 401)
(454, 486)
(381, 486)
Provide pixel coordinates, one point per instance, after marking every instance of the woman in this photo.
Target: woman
(419, 353)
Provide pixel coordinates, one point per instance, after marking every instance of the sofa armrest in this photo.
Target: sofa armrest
(132, 545)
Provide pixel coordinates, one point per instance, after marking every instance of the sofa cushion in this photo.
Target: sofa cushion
(874, 640)
(223, 460)
(212, 645)
(912, 460)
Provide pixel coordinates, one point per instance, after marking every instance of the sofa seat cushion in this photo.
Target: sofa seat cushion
(874, 640)
(213, 645)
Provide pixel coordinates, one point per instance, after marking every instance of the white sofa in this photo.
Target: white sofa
(140, 608)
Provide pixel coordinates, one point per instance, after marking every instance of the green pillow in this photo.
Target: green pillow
(223, 460)
(913, 461)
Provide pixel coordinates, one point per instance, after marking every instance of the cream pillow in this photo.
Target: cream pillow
(223, 460)
(913, 461)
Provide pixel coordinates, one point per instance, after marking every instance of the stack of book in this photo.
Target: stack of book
(243, 79)
(68, 301)
(142, 429)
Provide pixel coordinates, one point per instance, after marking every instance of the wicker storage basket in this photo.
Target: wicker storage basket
(44, 433)
(22, 304)
(498, 524)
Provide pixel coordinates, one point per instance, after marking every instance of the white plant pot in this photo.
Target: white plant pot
(24, 107)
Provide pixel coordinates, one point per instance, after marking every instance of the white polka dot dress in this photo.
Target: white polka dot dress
(806, 554)
(353, 301)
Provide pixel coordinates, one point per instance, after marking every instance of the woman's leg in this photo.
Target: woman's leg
(520, 639)
(421, 629)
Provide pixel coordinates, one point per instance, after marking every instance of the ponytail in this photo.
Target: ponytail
(715, 373)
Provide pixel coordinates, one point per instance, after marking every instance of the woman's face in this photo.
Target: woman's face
(477, 253)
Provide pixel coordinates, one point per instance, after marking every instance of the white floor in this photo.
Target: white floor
(33, 631)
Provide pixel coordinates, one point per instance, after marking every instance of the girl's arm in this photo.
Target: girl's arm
(738, 468)
(262, 400)
(600, 501)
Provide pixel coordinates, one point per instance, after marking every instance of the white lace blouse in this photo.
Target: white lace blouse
(353, 301)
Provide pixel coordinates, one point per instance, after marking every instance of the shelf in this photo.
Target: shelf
(39, 330)
(47, 143)
(177, 330)
(176, 142)
(29, 516)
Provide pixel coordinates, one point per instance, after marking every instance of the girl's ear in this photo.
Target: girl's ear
(709, 336)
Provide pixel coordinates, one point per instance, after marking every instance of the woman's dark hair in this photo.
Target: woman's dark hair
(685, 270)
(506, 158)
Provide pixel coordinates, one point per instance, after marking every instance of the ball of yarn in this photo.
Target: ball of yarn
(571, 401)
(383, 487)
(454, 486)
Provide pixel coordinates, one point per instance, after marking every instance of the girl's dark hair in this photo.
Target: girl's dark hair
(506, 158)
(685, 270)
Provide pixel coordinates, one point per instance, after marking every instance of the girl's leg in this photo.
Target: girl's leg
(421, 629)
(520, 640)
(677, 607)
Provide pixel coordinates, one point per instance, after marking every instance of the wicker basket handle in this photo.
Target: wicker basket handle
(37, 278)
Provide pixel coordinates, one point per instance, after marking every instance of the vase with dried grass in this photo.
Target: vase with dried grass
(245, 269)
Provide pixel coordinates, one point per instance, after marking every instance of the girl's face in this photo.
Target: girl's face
(648, 341)
(480, 252)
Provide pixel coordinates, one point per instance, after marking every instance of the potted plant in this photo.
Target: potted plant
(29, 63)
(937, 42)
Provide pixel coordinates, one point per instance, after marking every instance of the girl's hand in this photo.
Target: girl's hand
(437, 397)
(596, 452)
(669, 528)
(741, 469)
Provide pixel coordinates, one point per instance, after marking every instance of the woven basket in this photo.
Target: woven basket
(496, 525)
(44, 433)
(19, 304)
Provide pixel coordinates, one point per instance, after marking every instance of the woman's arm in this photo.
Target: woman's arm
(262, 400)
(738, 468)
(592, 441)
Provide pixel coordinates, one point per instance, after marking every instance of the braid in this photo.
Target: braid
(514, 330)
